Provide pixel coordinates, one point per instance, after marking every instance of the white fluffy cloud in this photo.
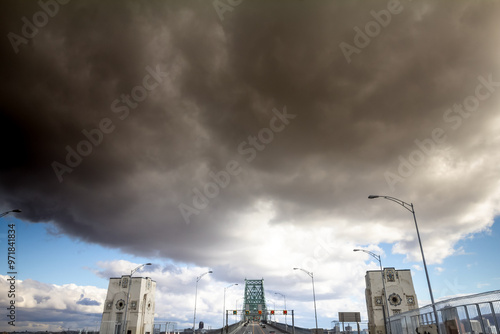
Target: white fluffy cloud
(41, 306)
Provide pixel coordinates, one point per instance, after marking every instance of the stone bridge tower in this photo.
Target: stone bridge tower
(140, 310)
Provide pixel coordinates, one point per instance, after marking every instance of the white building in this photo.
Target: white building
(141, 308)
(400, 296)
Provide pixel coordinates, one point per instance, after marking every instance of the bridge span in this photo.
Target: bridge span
(255, 327)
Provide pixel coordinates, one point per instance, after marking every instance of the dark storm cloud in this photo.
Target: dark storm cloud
(89, 72)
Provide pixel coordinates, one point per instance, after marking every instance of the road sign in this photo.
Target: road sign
(349, 317)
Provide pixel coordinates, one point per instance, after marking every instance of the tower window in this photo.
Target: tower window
(394, 299)
(390, 276)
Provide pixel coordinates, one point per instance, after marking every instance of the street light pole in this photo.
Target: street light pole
(386, 309)
(196, 295)
(237, 311)
(124, 331)
(284, 299)
(314, 295)
(409, 207)
(224, 308)
(236, 308)
(7, 212)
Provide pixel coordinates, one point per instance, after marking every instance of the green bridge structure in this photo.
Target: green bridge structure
(255, 300)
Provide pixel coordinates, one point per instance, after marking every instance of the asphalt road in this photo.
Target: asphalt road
(255, 328)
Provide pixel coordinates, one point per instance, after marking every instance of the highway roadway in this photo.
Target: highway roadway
(254, 327)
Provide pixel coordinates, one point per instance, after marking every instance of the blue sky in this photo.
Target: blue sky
(47, 257)
(471, 270)
(58, 259)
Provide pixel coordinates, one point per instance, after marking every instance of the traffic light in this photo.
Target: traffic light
(235, 312)
(260, 311)
(272, 311)
(285, 312)
(247, 312)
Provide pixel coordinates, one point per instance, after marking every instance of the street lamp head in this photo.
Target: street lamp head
(373, 196)
(148, 264)
(210, 271)
(295, 268)
(16, 210)
(356, 250)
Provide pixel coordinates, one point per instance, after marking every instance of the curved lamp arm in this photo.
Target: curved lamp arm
(139, 267)
(7, 212)
(307, 272)
(199, 277)
(368, 252)
(407, 206)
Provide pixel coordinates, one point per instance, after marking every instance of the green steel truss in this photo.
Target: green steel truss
(255, 300)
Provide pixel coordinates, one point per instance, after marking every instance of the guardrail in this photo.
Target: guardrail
(471, 314)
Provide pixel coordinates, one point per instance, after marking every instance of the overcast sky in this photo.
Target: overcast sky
(245, 136)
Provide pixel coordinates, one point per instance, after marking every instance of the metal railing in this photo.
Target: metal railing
(471, 314)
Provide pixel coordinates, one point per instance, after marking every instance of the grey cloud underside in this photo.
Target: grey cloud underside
(353, 120)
